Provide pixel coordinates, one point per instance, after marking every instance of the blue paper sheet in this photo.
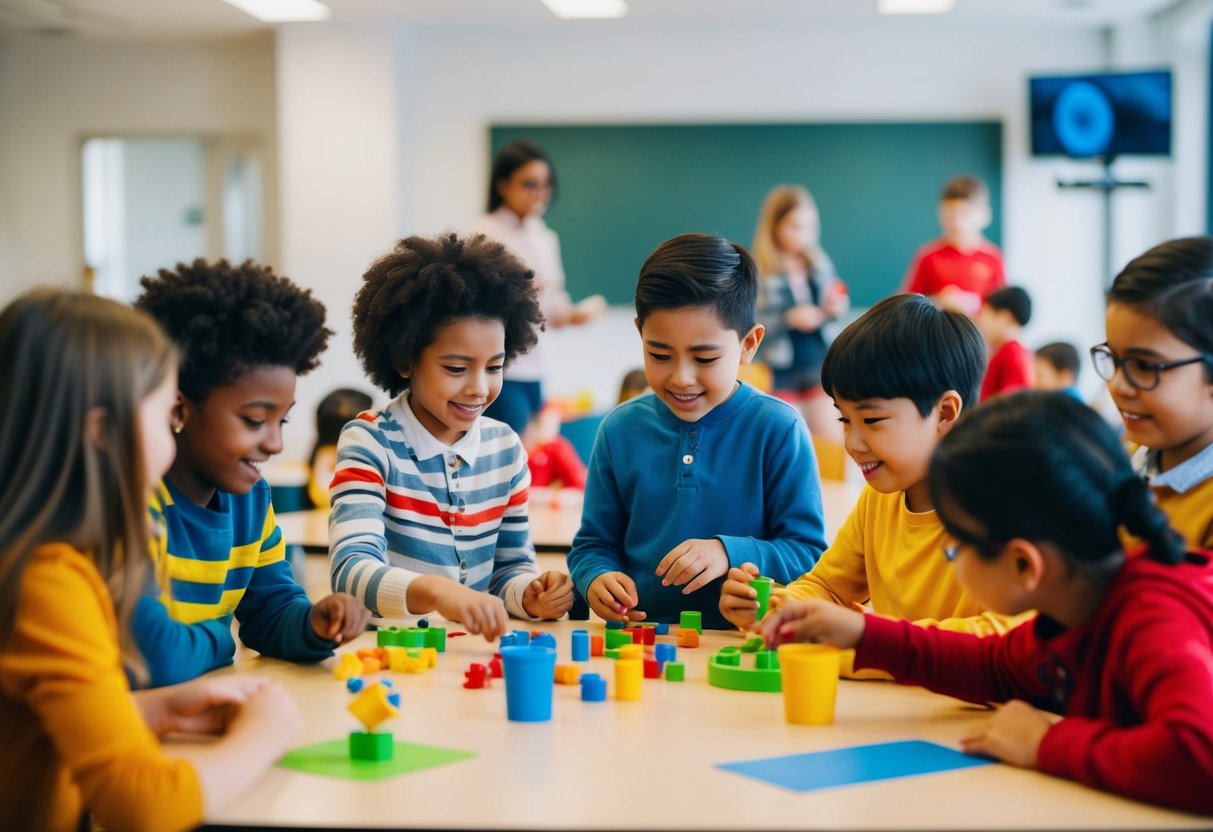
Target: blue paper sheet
(860, 764)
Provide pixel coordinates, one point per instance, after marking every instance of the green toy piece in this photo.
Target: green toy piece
(762, 586)
(617, 638)
(377, 747)
(725, 671)
(675, 671)
(389, 637)
(436, 637)
(752, 645)
(691, 620)
(417, 637)
(612, 652)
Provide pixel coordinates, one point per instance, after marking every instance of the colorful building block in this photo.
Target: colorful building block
(617, 638)
(691, 620)
(597, 645)
(436, 637)
(665, 653)
(370, 666)
(726, 670)
(567, 674)
(372, 707)
(652, 670)
(688, 638)
(648, 635)
(354, 685)
(752, 645)
(629, 676)
(593, 687)
(611, 652)
(632, 651)
(675, 671)
(373, 748)
(529, 675)
(544, 640)
(580, 646)
(495, 666)
(615, 625)
(389, 637)
(476, 676)
(762, 586)
(348, 666)
(394, 698)
(662, 628)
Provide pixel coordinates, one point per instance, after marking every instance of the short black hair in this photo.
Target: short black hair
(1173, 283)
(700, 271)
(424, 283)
(1015, 300)
(511, 157)
(1062, 356)
(227, 320)
(335, 410)
(906, 347)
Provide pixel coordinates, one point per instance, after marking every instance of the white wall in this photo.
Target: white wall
(54, 93)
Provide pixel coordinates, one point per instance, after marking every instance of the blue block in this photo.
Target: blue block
(581, 645)
(615, 625)
(665, 653)
(593, 687)
(354, 685)
(663, 629)
(521, 638)
(507, 640)
(544, 640)
(394, 698)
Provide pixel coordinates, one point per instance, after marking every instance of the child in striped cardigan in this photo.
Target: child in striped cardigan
(429, 499)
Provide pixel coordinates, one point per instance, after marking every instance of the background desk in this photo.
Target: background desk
(649, 764)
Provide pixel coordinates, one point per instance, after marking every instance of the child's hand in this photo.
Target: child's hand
(738, 600)
(481, 613)
(203, 706)
(339, 617)
(1013, 734)
(271, 715)
(612, 596)
(813, 620)
(548, 596)
(697, 561)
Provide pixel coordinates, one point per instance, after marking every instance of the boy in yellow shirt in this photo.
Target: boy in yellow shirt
(900, 377)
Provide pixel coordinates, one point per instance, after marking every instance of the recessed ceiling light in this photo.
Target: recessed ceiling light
(587, 8)
(283, 11)
(914, 6)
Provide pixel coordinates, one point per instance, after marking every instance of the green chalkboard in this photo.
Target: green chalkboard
(624, 189)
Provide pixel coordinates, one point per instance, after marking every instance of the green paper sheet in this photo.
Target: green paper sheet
(332, 759)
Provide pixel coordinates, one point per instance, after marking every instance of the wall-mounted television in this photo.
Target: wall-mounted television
(1101, 115)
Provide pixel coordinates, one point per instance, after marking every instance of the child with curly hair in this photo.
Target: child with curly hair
(430, 498)
(244, 335)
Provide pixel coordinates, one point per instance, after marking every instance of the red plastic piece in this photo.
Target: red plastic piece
(495, 666)
(652, 670)
(476, 676)
(597, 645)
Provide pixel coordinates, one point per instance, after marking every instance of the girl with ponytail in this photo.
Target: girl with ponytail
(1112, 683)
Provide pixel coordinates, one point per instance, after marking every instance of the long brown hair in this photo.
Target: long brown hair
(68, 359)
(781, 201)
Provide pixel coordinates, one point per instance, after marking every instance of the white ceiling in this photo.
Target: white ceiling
(197, 19)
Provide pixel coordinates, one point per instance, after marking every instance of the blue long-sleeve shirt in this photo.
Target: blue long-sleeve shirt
(744, 474)
(220, 561)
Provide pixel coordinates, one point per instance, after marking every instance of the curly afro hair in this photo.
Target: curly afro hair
(425, 283)
(229, 319)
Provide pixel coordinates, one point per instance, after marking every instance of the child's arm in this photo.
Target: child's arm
(597, 554)
(795, 537)
(177, 652)
(514, 567)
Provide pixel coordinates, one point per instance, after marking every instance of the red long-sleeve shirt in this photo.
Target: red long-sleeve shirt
(1134, 682)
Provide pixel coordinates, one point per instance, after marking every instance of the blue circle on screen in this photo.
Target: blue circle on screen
(1083, 119)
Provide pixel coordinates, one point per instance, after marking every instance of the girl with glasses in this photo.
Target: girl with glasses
(1158, 363)
(1110, 685)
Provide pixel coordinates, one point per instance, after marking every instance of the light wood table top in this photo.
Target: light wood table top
(650, 764)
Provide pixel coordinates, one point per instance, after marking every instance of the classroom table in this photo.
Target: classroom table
(649, 764)
(555, 515)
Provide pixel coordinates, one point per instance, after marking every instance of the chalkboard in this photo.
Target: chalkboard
(624, 189)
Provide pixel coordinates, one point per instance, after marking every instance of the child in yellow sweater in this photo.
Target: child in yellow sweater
(87, 390)
(899, 376)
(1158, 363)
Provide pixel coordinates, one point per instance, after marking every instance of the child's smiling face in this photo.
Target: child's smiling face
(691, 358)
(457, 376)
(227, 436)
(1176, 417)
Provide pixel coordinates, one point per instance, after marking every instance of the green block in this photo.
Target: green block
(413, 637)
(390, 637)
(675, 671)
(763, 587)
(726, 671)
(617, 638)
(374, 747)
(612, 652)
(436, 637)
(729, 656)
(766, 659)
(752, 645)
(691, 620)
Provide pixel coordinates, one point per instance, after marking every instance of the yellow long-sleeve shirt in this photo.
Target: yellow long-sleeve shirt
(1190, 512)
(892, 558)
(73, 735)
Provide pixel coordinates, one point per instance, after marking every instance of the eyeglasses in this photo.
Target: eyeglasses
(1143, 374)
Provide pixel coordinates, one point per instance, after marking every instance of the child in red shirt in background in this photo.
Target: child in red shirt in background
(962, 268)
(1012, 365)
(551, 457)
(1110, 685)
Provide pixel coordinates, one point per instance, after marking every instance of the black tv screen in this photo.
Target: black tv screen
(1102, 115)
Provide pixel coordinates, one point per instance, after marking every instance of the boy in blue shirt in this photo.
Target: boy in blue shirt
(705, 472)
(244, 334)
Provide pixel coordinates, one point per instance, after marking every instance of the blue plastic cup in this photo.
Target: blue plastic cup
(529, 676)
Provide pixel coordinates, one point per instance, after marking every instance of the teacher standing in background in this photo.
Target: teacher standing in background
(521, 187)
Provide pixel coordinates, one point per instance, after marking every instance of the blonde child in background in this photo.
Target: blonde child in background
(430, 496)
(704, 473)
(799, 293)
(1111, 684)
(1001, 320)
(900, 377)
(962, 268)
(1158, 363)
(86, 400)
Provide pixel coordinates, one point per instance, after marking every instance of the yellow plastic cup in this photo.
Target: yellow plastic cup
(629, 678)
(809, 676)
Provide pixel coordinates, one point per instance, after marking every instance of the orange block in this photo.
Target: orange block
(688, 637)
(597, 645)
(371, 666)
(568, 674)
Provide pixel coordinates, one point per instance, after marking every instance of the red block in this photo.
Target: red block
(476, 676)
(652, 670)
(597, 645)
(650, 634)
(637, 634)
(495, 666)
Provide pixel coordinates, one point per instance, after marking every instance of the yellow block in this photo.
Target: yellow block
(631, 651)
(629, 677)
(568, 674)
(395, 658)
(372, 707)
(348, 666)
(430, 655)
